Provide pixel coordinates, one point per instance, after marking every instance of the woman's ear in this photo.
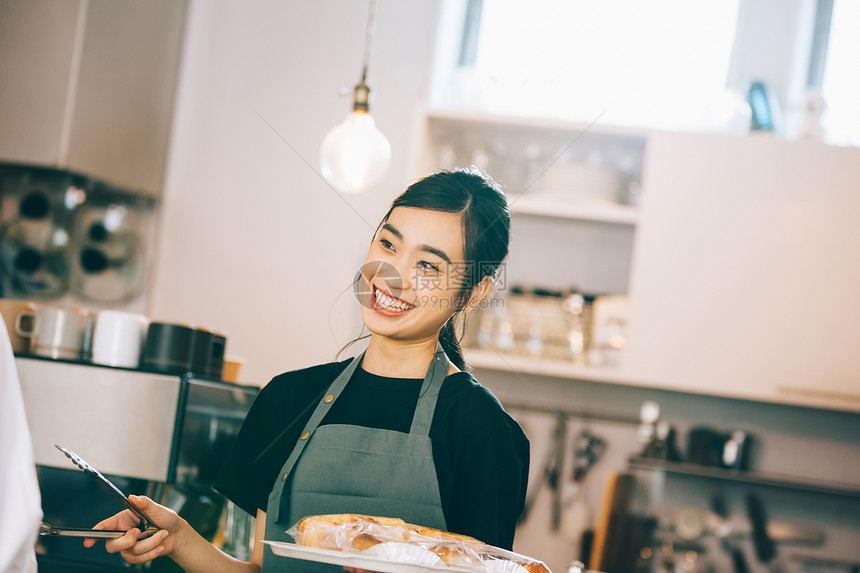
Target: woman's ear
(479, 291)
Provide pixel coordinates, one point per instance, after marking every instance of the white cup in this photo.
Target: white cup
(20, 318)
(118, 338)
(60, 331)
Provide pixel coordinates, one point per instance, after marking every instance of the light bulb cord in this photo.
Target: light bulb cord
(361, 101)
(368, 38)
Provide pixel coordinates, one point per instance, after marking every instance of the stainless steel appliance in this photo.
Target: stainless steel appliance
(159, 435)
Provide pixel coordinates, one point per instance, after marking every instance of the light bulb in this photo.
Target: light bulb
(355, 154)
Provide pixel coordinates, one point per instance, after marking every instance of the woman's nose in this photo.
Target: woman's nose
(392, 275)
(403, 278)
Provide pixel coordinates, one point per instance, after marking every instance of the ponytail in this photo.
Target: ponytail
(451, 346)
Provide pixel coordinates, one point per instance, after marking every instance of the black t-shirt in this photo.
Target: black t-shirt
(481, 453)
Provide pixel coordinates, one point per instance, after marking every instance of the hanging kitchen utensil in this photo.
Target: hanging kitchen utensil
(577, 516)
(554, 474)
(551, 474)
(587, 450)
(109, 266)
(765, 548)
(722, 530)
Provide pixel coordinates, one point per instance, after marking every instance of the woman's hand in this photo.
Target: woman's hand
(164, 542)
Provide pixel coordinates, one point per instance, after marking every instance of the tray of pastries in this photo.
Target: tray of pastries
(390, 545)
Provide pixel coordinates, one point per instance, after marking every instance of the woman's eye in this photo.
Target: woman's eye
(386, 244)
(430, 267)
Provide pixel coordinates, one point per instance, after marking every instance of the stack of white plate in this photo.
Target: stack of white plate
(581, 182)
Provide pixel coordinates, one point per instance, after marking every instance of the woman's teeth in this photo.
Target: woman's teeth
(389, 303)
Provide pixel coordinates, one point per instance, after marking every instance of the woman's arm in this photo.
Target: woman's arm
(201, 556)
(177, 540)
(259, 534)
(490, 489)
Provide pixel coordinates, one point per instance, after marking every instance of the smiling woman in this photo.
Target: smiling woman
(436, 253)
(399, 431)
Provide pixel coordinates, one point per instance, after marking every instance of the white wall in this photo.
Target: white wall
(253, 241)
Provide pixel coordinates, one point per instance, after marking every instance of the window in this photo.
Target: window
(661, 63)
(667, 64)
(841, 85)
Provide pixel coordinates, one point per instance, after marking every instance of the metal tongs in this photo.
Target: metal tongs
(146, 526)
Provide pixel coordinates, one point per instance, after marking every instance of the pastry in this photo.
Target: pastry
(534, 567)
(336, 531)
(442, 535)
(364, 541)
(454, 553)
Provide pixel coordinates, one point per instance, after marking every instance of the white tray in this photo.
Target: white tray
(357, 560)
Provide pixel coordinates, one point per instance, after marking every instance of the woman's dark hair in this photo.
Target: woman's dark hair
(486, 230)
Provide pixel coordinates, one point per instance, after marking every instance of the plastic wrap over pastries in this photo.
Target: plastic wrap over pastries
(393, 539)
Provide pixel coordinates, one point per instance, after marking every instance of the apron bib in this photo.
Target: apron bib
(338, 468)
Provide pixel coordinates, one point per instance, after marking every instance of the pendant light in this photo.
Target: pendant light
(355, 155)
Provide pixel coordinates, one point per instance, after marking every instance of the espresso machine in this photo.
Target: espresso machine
(164, 436)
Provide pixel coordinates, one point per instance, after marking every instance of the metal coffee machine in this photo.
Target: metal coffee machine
(164, 436)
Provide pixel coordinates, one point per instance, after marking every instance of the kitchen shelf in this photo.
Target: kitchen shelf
(571, 209)
(491, 360)
(754, 478)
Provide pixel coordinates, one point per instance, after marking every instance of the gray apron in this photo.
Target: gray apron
(338, 468)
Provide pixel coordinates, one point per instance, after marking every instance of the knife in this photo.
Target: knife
(555, 474)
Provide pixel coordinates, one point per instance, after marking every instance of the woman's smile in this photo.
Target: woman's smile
(410, 293)
(387, 304)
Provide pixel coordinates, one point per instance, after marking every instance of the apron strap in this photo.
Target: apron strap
(319, 413)
(436, 374)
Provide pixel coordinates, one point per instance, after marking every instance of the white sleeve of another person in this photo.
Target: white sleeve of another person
(21, 505)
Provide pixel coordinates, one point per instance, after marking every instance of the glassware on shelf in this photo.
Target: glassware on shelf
(504, 339)
(479, 328)
(548, 324)
(633, 194)
(534, 162)
(518, 312)
(608, 335)
(489, 328)
(500, 166)
(533, 340)
(486, 323)
(574, 306)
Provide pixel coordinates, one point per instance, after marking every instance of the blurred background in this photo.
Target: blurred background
(674, 328)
